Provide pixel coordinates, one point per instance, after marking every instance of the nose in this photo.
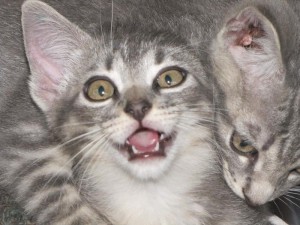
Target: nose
(249, 201)
(138, 109)
(258, 191)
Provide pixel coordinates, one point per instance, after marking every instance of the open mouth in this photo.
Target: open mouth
(147, 144)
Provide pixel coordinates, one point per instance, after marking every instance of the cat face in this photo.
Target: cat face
(133, 101)
(258, 120)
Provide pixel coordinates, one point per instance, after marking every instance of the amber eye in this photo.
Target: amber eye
(170, 78)
(240, 144)
(99, 90)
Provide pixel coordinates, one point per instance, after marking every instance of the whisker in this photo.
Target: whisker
(296, 189)
(54, 176)
(289, 198)
(111, 24)
(90, 146)
(101, 28)
(294, 193)
(74, 124)
(102, 145)
(278, 208)
(95, 146)
(290, 202)
(285, 203)
(78, 138)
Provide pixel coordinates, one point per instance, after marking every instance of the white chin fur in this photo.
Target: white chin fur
(151, 169)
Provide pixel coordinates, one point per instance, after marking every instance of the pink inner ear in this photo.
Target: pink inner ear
(45, 65)
(244, 29)
(47, 74)
(246, 40)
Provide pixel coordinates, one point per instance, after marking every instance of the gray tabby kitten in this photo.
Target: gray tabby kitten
(118, 130)
(256, 59)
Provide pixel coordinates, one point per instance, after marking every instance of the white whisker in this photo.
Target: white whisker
(278, 208)
(93, 147)
(111, 25)
(290, 197)
(74, 124)
(78, 138)
(289, 200)
(66, 164)
(285, 203)
(297, 193)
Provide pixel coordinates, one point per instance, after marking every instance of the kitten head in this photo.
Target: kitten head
(127, 97)
(256, 67)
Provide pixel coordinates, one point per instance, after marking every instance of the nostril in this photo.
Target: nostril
(138, 109)
(145, 109)
(129, 110)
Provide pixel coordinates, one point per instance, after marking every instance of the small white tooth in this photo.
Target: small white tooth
(162, 137)
(127, 142)
(135, 151)
(157, 146)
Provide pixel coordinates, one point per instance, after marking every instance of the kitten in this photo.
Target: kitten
(256, 60)
(118, 130)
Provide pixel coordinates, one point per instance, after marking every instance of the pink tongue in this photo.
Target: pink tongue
(144, 141)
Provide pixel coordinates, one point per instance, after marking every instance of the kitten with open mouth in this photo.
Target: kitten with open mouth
(116, 124)
(147, 144)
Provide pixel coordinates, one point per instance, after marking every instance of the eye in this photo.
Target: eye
(240, 144)
(170, 78)
(98, 89)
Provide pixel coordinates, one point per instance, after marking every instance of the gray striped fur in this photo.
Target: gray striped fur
(58, 156)
(258, 97)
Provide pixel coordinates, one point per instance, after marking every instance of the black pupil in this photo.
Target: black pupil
(101, 91)
(168, 79)
(244, 143)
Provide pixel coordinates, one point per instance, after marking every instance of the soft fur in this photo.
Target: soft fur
(61, 154)
(256, 58)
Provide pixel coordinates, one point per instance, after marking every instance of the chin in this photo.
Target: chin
(150, 169)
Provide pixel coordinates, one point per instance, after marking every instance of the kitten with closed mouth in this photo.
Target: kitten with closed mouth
(255, 57)
(116, 122)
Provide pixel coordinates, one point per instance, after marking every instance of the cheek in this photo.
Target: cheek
(119, 128)
(243, 161)
(109, 121)
(162, 119)
(232, 180)
(74, 123)
(292, 182)
(238, 167)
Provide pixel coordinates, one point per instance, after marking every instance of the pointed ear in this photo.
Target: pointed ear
(53, 47)
(250, 46)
